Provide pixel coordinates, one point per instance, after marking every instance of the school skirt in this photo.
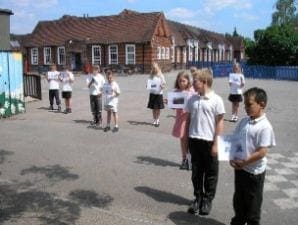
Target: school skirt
(155, 102)
(66, 94)
(235, 98)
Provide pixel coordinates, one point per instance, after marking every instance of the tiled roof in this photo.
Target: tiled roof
(128, 26)
(182, 32)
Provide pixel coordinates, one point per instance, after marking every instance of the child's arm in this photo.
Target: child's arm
(257, 155)
(218, 131)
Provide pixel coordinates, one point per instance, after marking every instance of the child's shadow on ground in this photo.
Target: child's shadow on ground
(44, 108)
(136, 123)
(89, 125)
(184, 218)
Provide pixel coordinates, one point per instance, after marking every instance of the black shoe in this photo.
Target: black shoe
(51, 108)
(206, 207)
(115, 129)
(194, 206)
(69, 110)
(184, 165)
(107, 129)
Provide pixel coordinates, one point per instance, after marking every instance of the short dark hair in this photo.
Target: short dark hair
(259, 94)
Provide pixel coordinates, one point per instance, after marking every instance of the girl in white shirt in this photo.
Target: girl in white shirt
(156, 84)
(67, 79)
(236, 82)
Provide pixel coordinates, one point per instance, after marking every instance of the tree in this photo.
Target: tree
(285, 12)
(277, 45)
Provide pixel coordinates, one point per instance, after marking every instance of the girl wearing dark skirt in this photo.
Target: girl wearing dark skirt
(236, 82)
(155, 85)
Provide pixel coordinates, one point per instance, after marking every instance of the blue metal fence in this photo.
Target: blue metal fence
(222, 69)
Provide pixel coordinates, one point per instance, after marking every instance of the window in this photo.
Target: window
(47, 58)
(158, 53)
(173, 54)
(34, 56)
(113, 54)
(163, 53)
(61, 55)
(190, 53)
(130, 54)
(167, 53)
(184, 54)
(96, 55)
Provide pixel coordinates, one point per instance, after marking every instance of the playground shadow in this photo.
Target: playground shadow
(137, 123)
(148, 160)
(162, 196)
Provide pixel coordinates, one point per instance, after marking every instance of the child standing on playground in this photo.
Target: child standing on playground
(67, 79)
(205, 115)
(180, 129)
(255, 135)
(156, 86)
(53, 79)
(95, 82)
(111, 91)
(236, 82)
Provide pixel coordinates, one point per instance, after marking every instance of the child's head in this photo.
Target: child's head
(53, 67)
(182, 81)
(193, 69)
(255, 101)
(155, 70)
(95, 69)
(236, 68)
(205, 76)
(110, 76)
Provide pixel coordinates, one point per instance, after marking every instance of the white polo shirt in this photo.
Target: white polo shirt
(236, 79)
(96, 87)
(254, 134)
(203, 111)
(53, 79)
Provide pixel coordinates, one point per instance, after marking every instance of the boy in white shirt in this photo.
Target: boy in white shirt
(111, 91)
(67, 79)
(53, 80)
(95, 82)
(255, 135)
(205, 115)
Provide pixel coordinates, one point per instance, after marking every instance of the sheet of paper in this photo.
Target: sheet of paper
(177, 100)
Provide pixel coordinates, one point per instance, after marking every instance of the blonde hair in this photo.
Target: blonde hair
(205, 75)
(155, 70)
(193, 69)
(236, 68)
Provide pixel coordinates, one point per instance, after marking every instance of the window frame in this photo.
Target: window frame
(127, 62)
(96, 59)
(47, 56)
(34, 57)
(61, 58)
(110, 54)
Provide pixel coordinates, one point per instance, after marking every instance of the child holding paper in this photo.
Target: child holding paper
(180, 129)
(95, 82)
(53, 79)
(67, 79)
(155, 85)
(111, 91)
(236, 82)
(255, 135)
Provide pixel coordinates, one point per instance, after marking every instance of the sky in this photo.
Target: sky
(220, 16)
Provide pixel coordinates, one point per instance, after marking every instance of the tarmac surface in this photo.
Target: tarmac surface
(57, 169)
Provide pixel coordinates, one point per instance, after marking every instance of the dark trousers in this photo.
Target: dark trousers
(96, 107)
(248, 197)
(204, 169)
(54, 94)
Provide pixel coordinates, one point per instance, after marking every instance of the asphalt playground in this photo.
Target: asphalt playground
(57, 169)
